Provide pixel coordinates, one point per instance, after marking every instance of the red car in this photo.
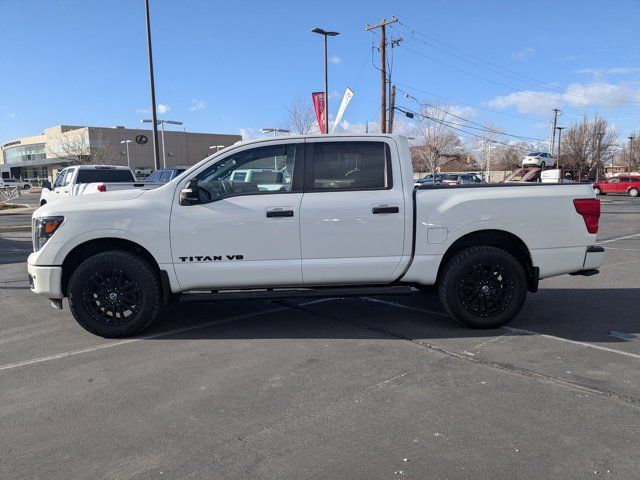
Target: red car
(622, 184)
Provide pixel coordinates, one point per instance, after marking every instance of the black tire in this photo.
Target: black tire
(542, 164)
(597, 191)
(114, 294)
(427, 288)
(633, 192)
(483, 287)
(26, 187)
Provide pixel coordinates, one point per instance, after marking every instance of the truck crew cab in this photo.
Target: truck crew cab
(333, 211)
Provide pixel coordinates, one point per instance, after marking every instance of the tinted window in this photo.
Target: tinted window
(451, 177)
(351, 166)
(104, 176)
(258, 170)
(59, 179)
(155, 176)
(166, 176)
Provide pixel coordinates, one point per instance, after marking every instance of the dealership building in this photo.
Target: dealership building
(41, 157)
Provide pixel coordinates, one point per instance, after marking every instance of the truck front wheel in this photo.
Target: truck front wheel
(483, 287)
(114, 294)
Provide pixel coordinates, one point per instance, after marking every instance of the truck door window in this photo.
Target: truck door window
(154, 177)
(66, 180)
(166, 176)
(351, 166)
(259, 170)
(59, 179)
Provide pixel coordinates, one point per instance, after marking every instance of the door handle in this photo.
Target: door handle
(376, 210)
(279, 213)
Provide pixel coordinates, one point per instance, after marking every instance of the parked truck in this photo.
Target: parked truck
(86, 179)
(346, 215)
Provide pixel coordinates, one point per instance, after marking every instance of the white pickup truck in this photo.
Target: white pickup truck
(346, 214)
(86, 179)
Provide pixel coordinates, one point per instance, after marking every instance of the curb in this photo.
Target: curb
(16, 228)
(18, 211)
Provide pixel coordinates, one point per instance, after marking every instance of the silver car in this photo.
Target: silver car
(539, 159)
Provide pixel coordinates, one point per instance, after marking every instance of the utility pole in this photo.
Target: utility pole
(630, 137)
(559, 141)
(392, 106)
(552, 140)
(154, 117)
(383, 68)
(600, 135)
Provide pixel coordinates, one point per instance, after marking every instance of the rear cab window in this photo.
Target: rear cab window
(349, 166)
(104, 176)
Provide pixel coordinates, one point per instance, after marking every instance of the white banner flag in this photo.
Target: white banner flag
(348, 94)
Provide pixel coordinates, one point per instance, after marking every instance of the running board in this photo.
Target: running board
(283, 293)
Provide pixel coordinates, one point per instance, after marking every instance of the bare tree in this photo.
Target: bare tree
(586, 145)
(300, 116)
(80, 146)
(509, 157)
(629, 156)
(436, 141)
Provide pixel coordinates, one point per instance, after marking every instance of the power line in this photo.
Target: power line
(482, 127)
(511, 73)
(467, 104)
(453, 127)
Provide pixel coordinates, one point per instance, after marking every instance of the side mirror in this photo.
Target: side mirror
(189, 195)
(46, 184)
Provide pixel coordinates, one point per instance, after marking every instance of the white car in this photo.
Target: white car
(12, 182)
(539, 159)
(350, 217)
(86, 179)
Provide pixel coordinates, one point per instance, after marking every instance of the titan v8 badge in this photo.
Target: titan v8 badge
(214, 258)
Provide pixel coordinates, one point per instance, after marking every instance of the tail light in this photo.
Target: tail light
(589, 208)
(102, 187)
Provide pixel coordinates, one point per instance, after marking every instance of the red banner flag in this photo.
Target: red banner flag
(318, 104)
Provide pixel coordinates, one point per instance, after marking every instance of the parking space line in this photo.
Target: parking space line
(516, 330)
(574, 342)
(615, 239)
(71, 353)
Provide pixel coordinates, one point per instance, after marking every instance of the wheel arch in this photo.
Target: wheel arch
(501, 239)
(91, 247)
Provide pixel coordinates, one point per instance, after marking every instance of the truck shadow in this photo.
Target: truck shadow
(587, 315)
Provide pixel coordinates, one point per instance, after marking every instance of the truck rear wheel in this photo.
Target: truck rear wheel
(483, 287)
(114, 294)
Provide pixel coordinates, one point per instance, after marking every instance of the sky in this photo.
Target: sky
(236, 66)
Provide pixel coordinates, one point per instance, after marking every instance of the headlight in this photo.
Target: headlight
(43, 230)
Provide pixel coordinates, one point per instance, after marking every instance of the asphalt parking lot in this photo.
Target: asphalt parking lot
(371, 387)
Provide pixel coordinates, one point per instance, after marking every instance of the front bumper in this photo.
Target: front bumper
(46, 281)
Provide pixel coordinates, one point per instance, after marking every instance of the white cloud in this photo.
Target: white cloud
(249, 133)
(523, 53)
(336, 60)
(609, 71)
(462, 111)
(163, 108)
(576, 95)
(197, 105)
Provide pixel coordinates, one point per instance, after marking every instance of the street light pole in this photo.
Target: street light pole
(630, 137)
(325, 34)
(156, 154)
(275, 131)
(559, 143)
(126, 143)
(162, 122)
